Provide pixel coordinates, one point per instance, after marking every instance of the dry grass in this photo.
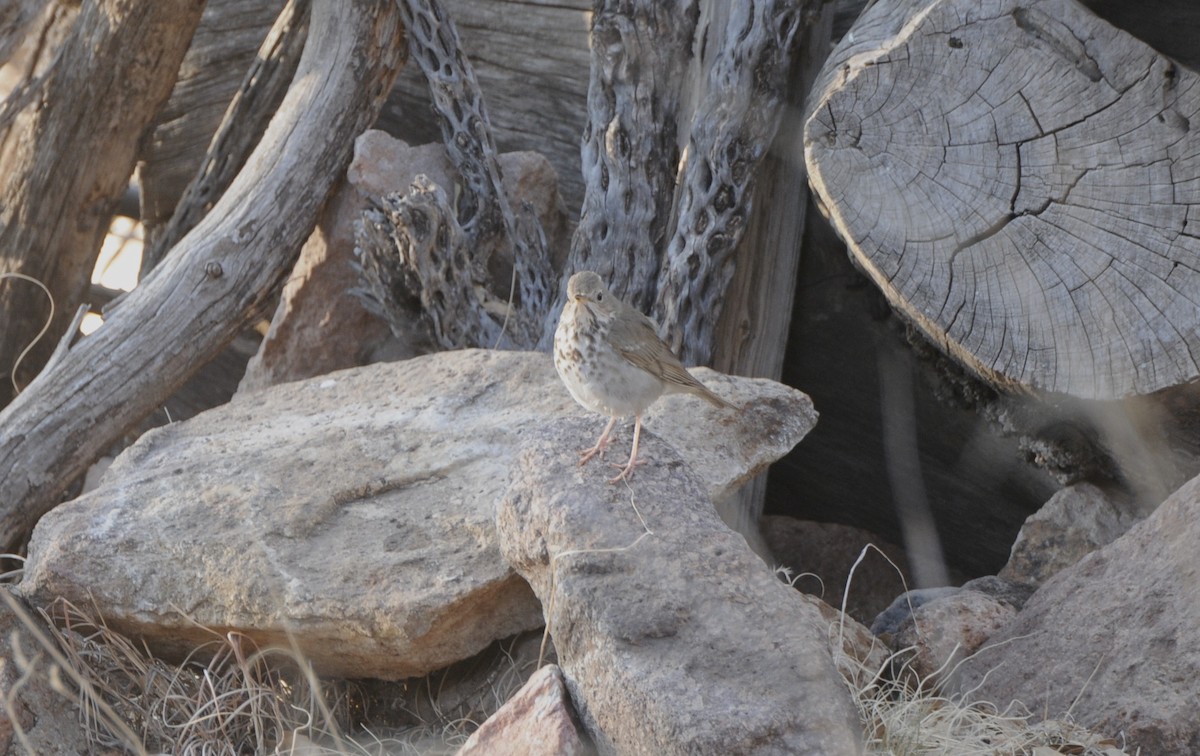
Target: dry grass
(228, 697)
(905, 715)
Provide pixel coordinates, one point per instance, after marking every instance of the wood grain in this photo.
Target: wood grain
(1021, 181)
(66, 158)
(221, 52)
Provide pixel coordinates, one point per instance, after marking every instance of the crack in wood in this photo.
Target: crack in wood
(987, 233)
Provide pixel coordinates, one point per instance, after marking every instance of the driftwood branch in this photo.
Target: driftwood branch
(256, 100)
(66, 158)
(217, 278)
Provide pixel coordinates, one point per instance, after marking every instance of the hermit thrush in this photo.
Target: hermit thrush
(613, 362)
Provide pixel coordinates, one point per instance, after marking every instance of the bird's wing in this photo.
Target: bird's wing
(636, 339)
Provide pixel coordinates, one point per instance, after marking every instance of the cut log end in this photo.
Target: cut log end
(1025, 199)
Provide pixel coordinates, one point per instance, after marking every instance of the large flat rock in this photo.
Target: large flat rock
(674, 638)
(351, 515)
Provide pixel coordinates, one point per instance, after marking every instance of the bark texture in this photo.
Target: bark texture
(216, 279)
(532, 61)
(640, 56)
(448, 248)
(181, 176)
(684, 102)
(733, 126)
(1020, 180)
(222, 51)
(65, 159)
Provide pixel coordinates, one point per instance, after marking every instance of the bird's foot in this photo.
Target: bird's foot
(601, 444)
(626, 470)
(597, 450)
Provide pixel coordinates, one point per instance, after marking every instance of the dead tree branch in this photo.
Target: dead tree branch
(218, 277)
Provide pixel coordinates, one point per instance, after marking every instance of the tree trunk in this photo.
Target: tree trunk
(744, 68)
(217, 278)
(640, 57)
(66, 158)
(1021, 186)
(16, 17)
(752, 331)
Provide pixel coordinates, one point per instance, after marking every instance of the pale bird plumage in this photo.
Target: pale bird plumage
(612, 361)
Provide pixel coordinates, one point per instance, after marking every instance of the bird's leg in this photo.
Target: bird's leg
(627, 471)
(600, 446)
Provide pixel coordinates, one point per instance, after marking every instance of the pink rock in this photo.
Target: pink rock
(537, 720)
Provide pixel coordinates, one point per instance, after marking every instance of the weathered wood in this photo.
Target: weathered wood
(641, 52)
(1020, 182)
(218, 277)
(1169, 26)
(734, 123)
(531, 59)
(214, 68)
(246, 114)
(16, 17)
(453, 280)
(413, 246)
(752, 330)
(66, 158)
(35, 41)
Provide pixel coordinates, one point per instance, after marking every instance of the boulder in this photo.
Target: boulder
(351, 516)
(673, 635)
(537, 721)
(1075, 522)
(1114, 639)
(944, 631)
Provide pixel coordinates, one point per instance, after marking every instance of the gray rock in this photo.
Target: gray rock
(859, 656)
(1114, 638)
(673, 635)
(1075, 522)
(1013, 595)
(900, 610)
(537, 721)
(828, 551)
(938, 627)
(352, 515)
(946, 630)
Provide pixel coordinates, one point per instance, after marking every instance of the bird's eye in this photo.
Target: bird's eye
(599, 296)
